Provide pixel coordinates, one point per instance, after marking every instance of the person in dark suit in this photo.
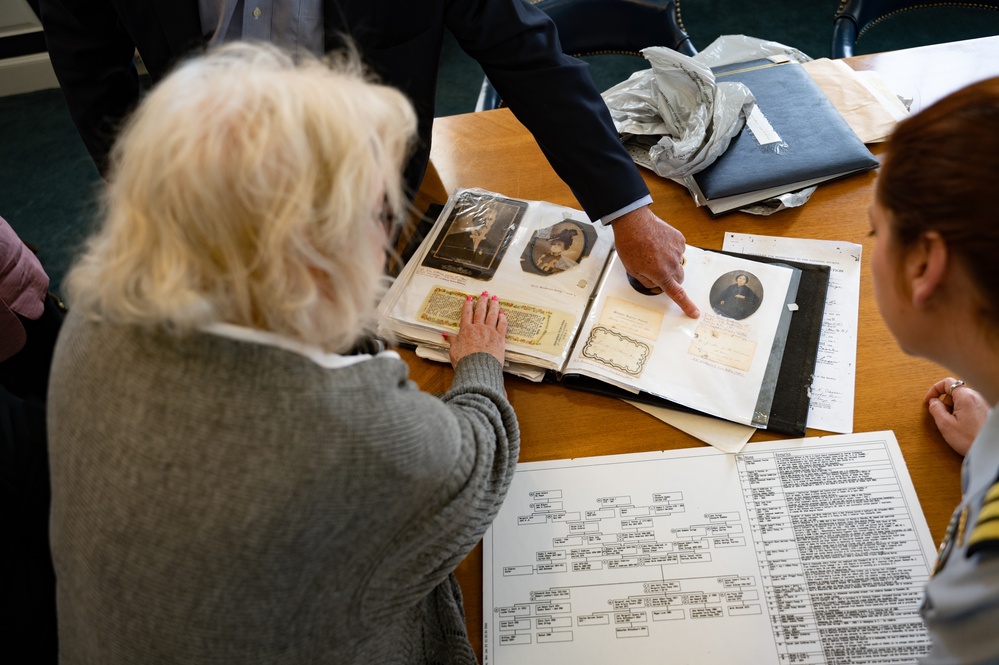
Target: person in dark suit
(92, 42)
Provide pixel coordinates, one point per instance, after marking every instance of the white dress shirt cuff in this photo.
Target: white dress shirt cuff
(640, 203)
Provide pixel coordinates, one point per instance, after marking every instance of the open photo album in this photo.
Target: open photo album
(574, 317)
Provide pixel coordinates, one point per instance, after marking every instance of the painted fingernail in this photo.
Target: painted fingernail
(444, 335)
(468, 298)
(495, 298)
(485, 293)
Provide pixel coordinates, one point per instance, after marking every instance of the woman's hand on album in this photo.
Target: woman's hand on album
(482, 328)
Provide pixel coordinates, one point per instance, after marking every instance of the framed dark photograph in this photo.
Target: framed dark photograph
(476, 235)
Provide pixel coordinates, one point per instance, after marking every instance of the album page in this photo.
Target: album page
(542, 261)
(723, 363)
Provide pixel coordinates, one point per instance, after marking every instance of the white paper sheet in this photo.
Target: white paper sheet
(833, 389)
(798, 551)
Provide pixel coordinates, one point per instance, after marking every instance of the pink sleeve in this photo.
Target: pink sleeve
(23, 285)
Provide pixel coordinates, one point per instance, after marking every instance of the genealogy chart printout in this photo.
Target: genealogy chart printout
(807, 551)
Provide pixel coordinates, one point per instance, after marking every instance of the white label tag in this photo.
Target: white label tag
(761, 128)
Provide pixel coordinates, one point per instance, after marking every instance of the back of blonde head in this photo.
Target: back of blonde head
(246, 189)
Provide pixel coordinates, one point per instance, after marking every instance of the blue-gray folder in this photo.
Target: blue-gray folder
(796, 139)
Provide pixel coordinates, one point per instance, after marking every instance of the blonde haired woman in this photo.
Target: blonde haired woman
(230, 483)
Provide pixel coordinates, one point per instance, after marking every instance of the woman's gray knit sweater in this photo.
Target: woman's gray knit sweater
(218, 501)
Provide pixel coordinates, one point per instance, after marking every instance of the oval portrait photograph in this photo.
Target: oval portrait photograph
(736, 294)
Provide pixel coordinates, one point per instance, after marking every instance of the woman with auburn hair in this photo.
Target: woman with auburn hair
(934, 266)
(237, 477)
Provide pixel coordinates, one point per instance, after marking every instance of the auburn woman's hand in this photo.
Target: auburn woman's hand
(958, 411)
(482, 328)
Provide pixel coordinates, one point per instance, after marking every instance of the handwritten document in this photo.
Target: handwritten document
(811, 551)
(722, 347)
(833, 388)
(631, 318)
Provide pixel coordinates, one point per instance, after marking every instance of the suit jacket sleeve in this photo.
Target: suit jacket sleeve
(92, 55)
(553, 95)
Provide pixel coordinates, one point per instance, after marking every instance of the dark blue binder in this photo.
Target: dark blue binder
(801, 141)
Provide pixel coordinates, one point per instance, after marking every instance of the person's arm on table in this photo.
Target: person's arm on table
(477, 429)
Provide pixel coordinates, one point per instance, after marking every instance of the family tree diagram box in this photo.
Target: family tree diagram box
(810, 551)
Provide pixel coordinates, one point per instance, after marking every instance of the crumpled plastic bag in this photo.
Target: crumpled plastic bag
(678, 101)
(674, 117)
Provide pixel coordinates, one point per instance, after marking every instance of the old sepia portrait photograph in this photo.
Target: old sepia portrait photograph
(558, 247)
(476, 235)
(736, 295)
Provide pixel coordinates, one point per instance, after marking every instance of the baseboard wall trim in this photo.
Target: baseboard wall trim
(26, 73)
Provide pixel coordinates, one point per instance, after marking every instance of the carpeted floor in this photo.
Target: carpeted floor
(48, 184)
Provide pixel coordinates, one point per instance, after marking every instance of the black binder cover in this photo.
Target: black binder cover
(789, 411)
(815, 140)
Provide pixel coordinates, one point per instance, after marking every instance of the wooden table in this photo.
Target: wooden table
(493, 151)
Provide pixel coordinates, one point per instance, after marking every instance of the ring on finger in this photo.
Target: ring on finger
(956, 384)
